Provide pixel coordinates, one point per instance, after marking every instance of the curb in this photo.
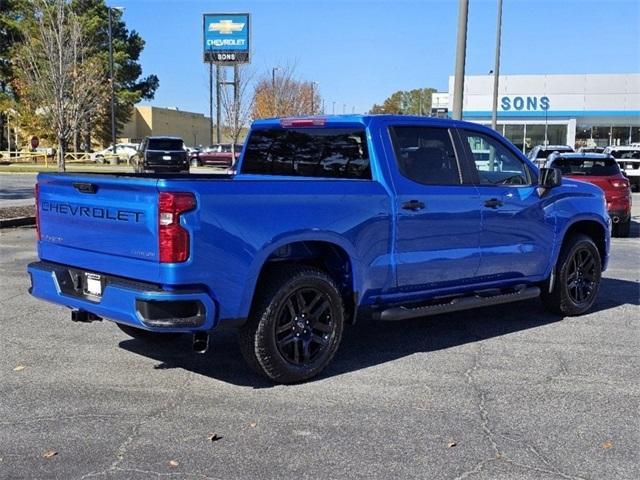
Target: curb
(17, 222)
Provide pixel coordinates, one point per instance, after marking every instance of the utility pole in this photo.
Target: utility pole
(496, 69)
(461, 52)
(313, 95)
(113, 103)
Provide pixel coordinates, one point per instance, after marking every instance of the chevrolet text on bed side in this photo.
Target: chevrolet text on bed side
(329, 220)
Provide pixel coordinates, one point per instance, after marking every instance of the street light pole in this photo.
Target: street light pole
(496, 69)
(273, 88)
(461, 52)
(313, 98)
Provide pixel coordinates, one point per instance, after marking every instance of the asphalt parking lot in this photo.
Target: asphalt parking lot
(509, 392)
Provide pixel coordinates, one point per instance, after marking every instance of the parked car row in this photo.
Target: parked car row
(124, 151)
(627, 157)
(221, 155)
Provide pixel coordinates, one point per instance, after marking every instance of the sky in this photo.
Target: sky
(360, 52)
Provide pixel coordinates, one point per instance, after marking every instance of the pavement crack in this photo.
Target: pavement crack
(485, 421)
(553, 470)
(476, 469)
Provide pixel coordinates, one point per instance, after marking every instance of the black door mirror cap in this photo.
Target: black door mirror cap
(549, 178)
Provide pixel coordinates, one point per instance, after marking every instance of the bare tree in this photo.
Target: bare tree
(237, 105)
(61, 81)
(284, 95)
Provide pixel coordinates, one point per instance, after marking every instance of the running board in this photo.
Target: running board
(457, 304)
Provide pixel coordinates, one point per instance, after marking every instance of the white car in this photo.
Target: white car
(124, 151)
(628, 158)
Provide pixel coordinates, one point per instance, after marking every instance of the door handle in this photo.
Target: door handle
(493, 203)
(413, 205)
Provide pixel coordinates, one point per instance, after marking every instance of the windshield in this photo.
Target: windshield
(165, 144)
(600, 167)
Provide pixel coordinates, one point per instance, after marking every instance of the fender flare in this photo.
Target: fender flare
(264, 253)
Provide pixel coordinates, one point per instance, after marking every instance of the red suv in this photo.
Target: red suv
(601, 170)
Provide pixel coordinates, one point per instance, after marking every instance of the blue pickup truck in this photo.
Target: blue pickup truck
(328, 220)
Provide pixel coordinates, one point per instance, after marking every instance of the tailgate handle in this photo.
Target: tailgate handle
(83, 187)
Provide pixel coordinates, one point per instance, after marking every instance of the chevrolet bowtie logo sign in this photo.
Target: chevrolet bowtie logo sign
(226, 27)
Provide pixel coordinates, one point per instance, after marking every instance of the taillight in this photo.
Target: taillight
(173, 240)
(36, 190)
(619, 183)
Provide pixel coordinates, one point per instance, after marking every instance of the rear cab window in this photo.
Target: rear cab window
(308, 152)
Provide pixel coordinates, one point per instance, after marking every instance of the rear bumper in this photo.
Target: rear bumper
(139, 304)
(620, 216)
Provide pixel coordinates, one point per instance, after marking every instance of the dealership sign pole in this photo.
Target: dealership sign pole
(226, 42)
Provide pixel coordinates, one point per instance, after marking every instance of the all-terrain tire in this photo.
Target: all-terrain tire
(295, 325)
(578, 275)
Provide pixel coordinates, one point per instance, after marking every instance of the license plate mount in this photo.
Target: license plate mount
(93, 284)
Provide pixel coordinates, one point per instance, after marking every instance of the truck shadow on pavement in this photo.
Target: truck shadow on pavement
(370, 343)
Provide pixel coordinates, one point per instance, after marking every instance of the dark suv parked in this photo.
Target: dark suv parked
(161, 154)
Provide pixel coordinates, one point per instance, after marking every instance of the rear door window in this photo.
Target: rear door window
(308, 152)
(426, 155)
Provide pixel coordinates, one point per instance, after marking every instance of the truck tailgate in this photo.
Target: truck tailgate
(99, 213)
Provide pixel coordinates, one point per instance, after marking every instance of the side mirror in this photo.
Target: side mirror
(549, 178)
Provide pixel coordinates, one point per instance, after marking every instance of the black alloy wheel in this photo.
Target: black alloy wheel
(581, 276)
(578, 272)
(295, 325)
(304, 326)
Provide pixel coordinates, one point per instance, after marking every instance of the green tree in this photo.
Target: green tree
(130, 86)
(9, 36)
(407, 102)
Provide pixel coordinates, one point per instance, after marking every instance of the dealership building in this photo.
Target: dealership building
(577, 110)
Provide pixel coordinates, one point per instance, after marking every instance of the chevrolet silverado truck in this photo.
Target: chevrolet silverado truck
(329, 220)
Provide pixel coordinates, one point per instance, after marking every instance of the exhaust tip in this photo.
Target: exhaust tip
(200, 342)
(615, 219)
(84, 317)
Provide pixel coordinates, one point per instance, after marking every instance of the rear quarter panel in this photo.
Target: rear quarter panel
(239, 223)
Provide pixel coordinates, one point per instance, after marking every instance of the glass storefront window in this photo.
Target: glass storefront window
(620, 136)
(515, 134)
(583, 136)
(534, 136)
(601, 136)
(557, 134)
